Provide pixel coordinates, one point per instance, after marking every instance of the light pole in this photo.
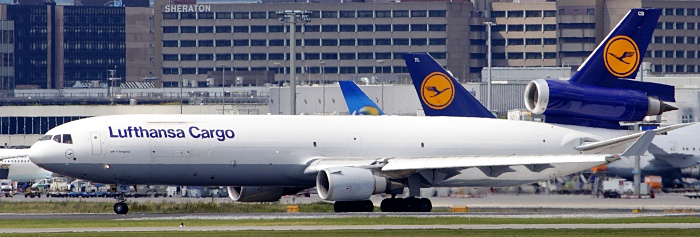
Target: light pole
(323, 82)
(381, 72)
(223, 89)
(292, 17)
(110, 75)
(488, 54)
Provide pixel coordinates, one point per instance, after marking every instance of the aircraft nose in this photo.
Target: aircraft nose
(36, 154)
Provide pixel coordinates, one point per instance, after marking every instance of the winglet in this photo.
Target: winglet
(641, 145)
(440, 94)
(358, 102)
(614, 145)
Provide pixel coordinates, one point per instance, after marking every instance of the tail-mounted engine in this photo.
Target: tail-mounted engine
(566, 102)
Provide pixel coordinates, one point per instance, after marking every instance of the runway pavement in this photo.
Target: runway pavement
(368, 227)
(489, 206)
(490, 201)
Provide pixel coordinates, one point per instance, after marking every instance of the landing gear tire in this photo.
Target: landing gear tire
(121, 208)
(406, 205)
(353, 206)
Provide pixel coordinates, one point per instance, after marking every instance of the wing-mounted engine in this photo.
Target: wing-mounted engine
(350, 184)
(567, 102)
(260, 193)
(691, 171)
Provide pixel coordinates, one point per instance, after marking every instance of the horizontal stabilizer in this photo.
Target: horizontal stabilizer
(619, 144)
(495, 171)
(661, 91)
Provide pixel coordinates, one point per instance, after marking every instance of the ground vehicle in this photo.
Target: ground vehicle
(32, 192)
(6, 188)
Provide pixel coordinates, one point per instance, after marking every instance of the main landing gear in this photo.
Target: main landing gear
(410, 204)
(353, 206)
(393, 204)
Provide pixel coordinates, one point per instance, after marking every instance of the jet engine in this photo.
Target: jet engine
(572, 101)
(691, 171)
(256, 194)
(350, 184)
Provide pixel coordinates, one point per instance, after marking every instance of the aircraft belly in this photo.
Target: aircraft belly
(191, 174)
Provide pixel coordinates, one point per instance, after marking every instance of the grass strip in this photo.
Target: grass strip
(402, 233)
(78, 206)
(382, 220)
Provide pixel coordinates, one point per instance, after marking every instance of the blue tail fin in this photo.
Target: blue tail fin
(439, 93)
(358, 102)
(621, 53)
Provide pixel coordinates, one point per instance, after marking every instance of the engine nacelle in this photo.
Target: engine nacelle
(691, 171)
(256, 194)
(349, 184)
(567, 99)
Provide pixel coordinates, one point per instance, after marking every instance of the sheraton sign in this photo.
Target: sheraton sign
(188, 8)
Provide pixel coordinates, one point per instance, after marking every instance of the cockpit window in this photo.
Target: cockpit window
(67, 139)
(60, 138)
(46, 137)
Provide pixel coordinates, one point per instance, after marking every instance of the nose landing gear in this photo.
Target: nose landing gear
(121, 208)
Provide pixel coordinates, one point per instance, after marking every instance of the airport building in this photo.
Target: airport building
(59, 46)
(342, 40)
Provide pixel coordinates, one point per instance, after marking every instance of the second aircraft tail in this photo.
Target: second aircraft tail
(440, 94)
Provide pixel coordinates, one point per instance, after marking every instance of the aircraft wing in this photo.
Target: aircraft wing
(396, 164)
(621, 144)
(13, 153)
(491, 165)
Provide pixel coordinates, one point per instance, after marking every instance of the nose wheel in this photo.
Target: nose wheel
(121, 208)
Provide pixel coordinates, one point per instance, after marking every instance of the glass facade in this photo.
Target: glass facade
(32, 125)
(31, 44)
(94, 42)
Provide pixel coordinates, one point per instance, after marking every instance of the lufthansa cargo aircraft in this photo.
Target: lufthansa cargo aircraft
(349, 158)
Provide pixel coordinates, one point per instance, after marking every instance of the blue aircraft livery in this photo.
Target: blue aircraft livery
(192, 131)
(357, 101)
(439, 93)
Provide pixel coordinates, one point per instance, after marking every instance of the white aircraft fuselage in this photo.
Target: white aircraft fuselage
(274, 150)
(21, 169)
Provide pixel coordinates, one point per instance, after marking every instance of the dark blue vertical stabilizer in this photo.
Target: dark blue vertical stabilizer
(358, 102)
(621, 53)
(439, 93)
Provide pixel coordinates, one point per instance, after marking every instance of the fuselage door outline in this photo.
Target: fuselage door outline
(96, 143)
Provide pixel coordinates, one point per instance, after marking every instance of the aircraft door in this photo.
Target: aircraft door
(96, 143)
(355, 145)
